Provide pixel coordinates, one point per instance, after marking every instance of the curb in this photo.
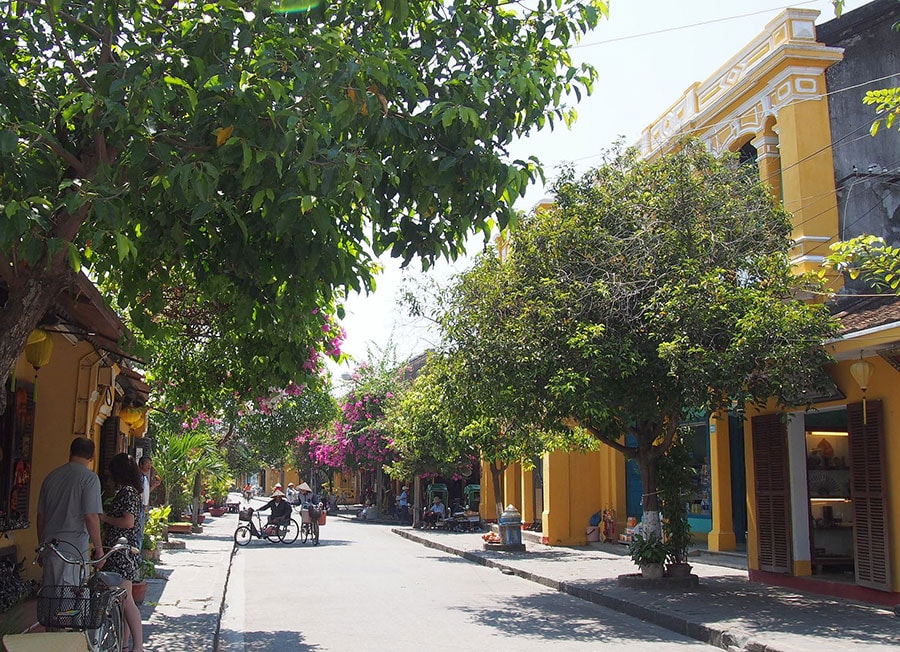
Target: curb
(218, 631)
(719, 637)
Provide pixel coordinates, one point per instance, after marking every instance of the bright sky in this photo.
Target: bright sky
(647, 54)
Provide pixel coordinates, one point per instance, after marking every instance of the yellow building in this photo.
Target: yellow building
(809, 492)
(82, 386)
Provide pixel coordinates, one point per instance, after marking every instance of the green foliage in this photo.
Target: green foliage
(868, 257)
(157, 518)
(146, 570)
(649, 550)
(676, 491)
(225, 169)
(422, 422)
(263, 432)
(180, 455)
(887, 105)
(650, 288)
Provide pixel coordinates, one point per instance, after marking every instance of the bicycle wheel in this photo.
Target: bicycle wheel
(110, 636)
(275, 537)
(288, 533)
(242, 535)
(315, 532)
(304, 532)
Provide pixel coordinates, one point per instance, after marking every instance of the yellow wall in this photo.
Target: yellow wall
(53, 428)
(572, 493)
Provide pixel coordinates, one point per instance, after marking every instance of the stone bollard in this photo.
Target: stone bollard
(510, 526)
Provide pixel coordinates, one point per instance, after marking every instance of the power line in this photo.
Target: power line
(692, 25)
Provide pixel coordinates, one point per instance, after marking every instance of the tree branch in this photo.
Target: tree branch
(65, 53)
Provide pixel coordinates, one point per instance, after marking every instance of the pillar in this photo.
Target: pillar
(512, 486)
(572, 492)
(807, 174)
(769, 161)
(527, 492)
(486, 509)
(721, 537)
(752, 525)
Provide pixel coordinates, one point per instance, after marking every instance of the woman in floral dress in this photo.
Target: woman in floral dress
(123, 520)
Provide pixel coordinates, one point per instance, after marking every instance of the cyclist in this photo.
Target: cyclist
(307, 497)
(281, 512)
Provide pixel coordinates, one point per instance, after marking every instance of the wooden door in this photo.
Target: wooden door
(773, 501)
(868, 490)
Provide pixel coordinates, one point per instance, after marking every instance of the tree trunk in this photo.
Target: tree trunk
(648, 458)
(497, 479)
(417, 502)
(378, 483)
(30, 297)
(195, 503)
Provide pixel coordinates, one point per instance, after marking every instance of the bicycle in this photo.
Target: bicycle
(286, 532)
(309, 519)
(91, 612)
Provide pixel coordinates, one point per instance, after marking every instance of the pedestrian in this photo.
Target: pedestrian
(69, 508)
(123, 521)
(147, 485)
(291, 493)
(403, 504)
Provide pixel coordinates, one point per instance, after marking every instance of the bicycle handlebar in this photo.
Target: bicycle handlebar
(53, 545)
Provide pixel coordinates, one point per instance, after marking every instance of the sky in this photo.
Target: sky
(647, 53)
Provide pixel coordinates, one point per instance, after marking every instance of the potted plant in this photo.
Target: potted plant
(676, 491)
(149, 549)
(146, 570)
(649, 554)
(157, 523)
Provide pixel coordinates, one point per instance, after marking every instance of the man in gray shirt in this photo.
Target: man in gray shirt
(69, 509)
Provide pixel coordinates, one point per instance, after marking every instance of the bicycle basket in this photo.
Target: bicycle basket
(71, 607)
(244, 515)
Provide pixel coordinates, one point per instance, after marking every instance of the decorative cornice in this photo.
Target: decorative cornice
(786, 50)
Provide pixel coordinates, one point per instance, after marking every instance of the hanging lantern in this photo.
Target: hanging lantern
(38, 350)
(130, 416)
(862, 370)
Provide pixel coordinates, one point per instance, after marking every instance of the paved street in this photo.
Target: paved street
(365, 588)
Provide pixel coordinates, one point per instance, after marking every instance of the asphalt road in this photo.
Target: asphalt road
(364, 588)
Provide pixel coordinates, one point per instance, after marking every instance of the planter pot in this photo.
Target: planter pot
(150, 555)
(217, 511)
(652, 571)
(678, 570)
(139, 591)
(179, 528)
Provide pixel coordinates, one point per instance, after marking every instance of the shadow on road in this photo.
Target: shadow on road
(546, 616)
(268, 641)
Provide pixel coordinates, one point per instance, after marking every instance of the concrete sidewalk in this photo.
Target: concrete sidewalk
(182, 609)
(726, 610)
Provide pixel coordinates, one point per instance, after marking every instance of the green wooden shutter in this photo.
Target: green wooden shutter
(868, 489)
(773, 503)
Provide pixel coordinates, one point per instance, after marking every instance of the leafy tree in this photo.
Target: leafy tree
(361, 433)
(656, 287)
(268, 427)
(239, 162)
(426, 437)
(184, 451)
(868, 257)
(487, 352)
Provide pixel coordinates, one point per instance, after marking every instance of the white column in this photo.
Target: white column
(796, 431)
